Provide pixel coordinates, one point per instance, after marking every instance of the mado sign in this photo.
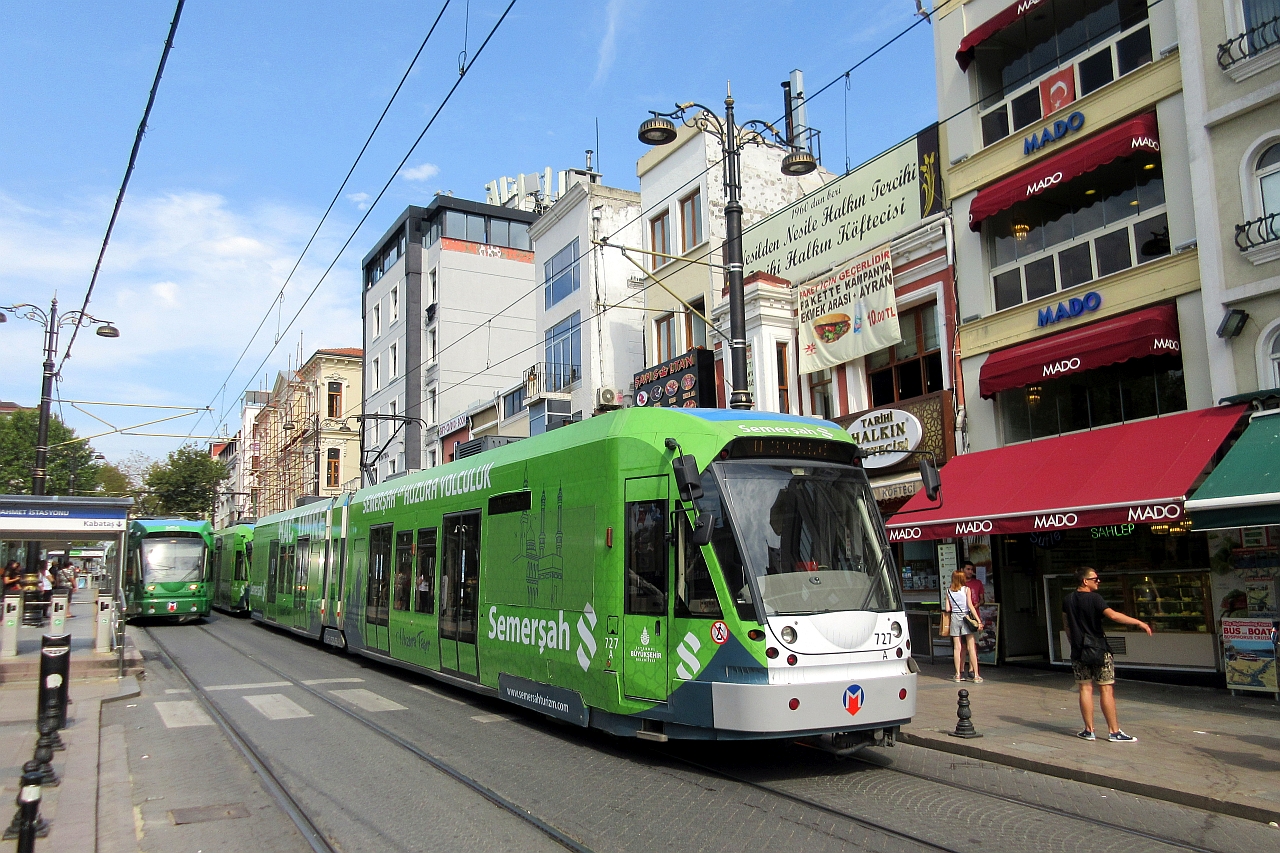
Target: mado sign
(887, 434)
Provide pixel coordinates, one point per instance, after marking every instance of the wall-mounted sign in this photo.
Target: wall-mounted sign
(1249, 647)
(452, 426)
(1073, 307)
(864, 208)
(1057, 90)
(485, 250)
(849, 313)
(683, 382)
(887, 434)
(1053, 132)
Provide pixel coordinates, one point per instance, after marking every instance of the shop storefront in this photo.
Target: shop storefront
(1111, 498)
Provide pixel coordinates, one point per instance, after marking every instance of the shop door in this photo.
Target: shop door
(378, 594)
(460, 594)
(647, 567)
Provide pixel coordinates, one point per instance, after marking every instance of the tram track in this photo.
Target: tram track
(312, 834)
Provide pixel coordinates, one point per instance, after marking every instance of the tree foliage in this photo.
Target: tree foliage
(67, 457)
(185, 483)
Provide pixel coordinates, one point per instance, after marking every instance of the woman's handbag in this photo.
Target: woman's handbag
(944, 627)
(972, 622)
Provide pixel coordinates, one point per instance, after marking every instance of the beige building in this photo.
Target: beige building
(1230, 60)
(306, 438)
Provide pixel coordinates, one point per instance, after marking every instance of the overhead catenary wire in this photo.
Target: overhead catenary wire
(128, 173)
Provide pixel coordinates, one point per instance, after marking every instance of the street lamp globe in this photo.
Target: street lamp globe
(798, 162)
(106, 330)
(657, 130)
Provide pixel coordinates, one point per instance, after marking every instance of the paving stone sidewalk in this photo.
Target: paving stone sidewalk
(1200, 747)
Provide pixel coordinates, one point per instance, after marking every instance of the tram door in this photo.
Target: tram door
(460, 594)
(273, 568)
(216, 580)
(378, 593)
(646, 565)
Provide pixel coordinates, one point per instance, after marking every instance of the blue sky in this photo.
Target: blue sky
(262, 109)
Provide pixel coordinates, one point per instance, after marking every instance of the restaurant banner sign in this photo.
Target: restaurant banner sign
(849, 313)
(866, 207)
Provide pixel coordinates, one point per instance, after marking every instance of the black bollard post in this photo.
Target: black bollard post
(964, 723)
(30, 824)
(42, 759)
(55, 670)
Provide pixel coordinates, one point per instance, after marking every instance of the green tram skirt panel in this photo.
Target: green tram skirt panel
(691, 573)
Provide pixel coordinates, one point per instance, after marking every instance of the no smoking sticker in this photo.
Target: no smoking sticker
(719, 633)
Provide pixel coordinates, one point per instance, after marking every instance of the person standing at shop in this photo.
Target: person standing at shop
(965, 624)
(1091, 660)
(978, 592)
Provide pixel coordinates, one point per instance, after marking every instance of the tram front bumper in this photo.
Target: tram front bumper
(833, 706)
(176, 606)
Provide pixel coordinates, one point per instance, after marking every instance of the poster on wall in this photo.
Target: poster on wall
(848, 313)
(947, 563)
(1245, 573)
(1249, 649)
(988, 639)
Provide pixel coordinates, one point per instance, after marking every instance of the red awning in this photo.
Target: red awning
(1136, 134)
(964, 53)
(1151, 331)
(1135, 473)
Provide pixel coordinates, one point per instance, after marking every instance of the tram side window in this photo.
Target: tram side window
(239, 572)
(695, 593)
(404, 570)
(284, 575)
(646, 558)
(302, 559)
(424, 594)
(273, 569)
(379, 575)
(726, 549)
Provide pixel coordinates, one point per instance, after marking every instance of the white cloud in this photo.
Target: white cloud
(423, 172)
(186, 280)
(609, 43)
(361, 200)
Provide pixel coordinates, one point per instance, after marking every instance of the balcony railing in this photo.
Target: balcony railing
(1252, 41)
(550, 377)
(1257, 232)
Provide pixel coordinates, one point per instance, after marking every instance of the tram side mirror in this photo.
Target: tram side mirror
(931, 478)
(688, 481)
(703, 528)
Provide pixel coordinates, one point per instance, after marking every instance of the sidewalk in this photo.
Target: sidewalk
(86, 800)
(85, 662)
(1198, 747)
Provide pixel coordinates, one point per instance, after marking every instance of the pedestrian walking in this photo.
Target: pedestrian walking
(965, 624)
(1091, 659)
(979, 593)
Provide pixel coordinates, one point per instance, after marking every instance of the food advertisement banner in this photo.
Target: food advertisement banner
(684, 382)
(849, 313)
(1249, 648)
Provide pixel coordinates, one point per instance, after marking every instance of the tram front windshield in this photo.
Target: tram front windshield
(173, 560)
(810, 537)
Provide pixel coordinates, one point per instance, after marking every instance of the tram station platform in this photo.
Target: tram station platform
(85, 662)
(1197, 746)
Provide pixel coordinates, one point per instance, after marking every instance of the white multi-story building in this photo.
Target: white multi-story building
(235, 496)
(588, 318)
(448, 318)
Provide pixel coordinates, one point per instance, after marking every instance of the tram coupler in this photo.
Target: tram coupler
(844, 744)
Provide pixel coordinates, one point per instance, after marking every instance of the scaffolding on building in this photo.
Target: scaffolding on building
(285, 454)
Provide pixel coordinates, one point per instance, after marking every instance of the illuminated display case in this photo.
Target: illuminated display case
(1176, 604)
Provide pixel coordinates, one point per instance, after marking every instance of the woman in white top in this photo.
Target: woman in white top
(959, 604)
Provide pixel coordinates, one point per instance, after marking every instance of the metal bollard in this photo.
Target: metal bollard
(59, 609)
(55, 670)
(11, 616)
(43, 761)
(106, 620)
(27, 824)
(964, 723)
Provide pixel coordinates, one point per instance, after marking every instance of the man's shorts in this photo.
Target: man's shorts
(1103, 674)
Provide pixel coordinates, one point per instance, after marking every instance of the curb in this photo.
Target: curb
(1155, 792)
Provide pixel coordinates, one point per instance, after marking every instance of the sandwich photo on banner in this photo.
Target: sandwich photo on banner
(849, 312)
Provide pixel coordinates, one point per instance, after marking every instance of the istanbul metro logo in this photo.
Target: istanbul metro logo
(853, 699)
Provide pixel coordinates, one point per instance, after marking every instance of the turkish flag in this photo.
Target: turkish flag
(1057, 90)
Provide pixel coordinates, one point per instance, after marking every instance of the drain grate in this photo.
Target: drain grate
(204, 814)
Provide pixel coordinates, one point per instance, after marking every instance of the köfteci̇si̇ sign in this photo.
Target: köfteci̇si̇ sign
(887, 435)
(1249, 647)
(848, 313)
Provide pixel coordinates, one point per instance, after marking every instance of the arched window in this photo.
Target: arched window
(1267, 172)
(1275, 359)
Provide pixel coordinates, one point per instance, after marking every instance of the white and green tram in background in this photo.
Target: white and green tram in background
(656, 572)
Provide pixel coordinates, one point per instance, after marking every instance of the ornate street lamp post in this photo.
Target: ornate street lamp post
(660, 129)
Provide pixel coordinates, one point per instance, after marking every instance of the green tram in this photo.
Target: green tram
(654, 572)
(167, 568)
(232, 553)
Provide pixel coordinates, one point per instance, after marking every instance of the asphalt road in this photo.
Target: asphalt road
(366, 793)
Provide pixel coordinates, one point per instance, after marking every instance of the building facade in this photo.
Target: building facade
(589, 311)
(236, 495)
(448, 319)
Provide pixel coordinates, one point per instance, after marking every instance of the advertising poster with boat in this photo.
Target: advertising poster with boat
(849, 312)
(1249, 649)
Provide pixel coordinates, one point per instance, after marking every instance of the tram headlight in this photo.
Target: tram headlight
(896, 628)
(151, 588)
(195, 586)
(788, 635)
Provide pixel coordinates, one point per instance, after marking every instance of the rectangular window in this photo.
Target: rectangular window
(520, 236)
(820, 394)
(395, 304)
(564, 353)
(499, 233)
(660, 238)
(513, 403)
(695, 593)
(911, 368)
(378, 589)
(646, 558)
(562, 274)
(374, 371)
(690, 221)
(431, 404)
(665, 337)
(377, 320)
(333, 468)
(784, 380)
(431, 346)
(424, 598)
(335, 400)
(395, 360)
(455, 224)
(404, 571)
(695, 330)
(434, 298)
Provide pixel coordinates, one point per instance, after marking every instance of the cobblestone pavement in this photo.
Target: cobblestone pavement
(625, 795)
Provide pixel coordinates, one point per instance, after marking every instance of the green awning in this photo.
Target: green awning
(1244, 490)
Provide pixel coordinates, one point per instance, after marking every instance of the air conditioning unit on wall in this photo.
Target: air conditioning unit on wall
(608, 398)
